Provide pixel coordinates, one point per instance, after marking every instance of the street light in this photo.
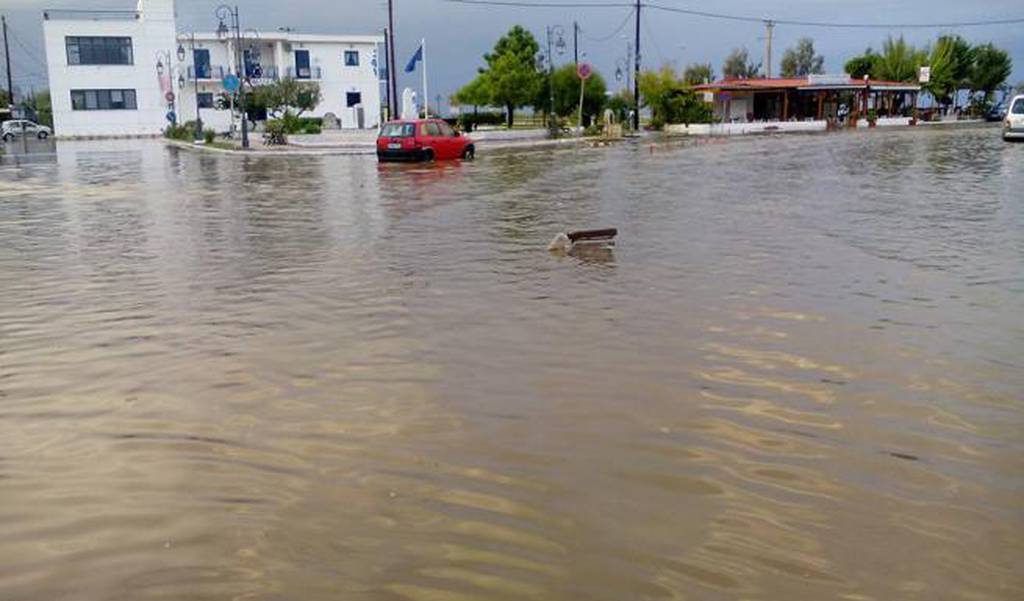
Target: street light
(163, 57)
(181, 53)
(223, 13)
(553, 31)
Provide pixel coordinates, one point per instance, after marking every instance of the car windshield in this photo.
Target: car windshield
(1018, 107)
(397, 130)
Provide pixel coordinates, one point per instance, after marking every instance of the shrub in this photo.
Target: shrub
(312, 128)
(184, 131)
(275, 133)
(209, 135)
(470, 121)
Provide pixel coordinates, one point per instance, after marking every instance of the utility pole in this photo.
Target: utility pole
(770, 27)
(576, 43)
(636, 71)
(387, 72)
(7, 54)
(392, 76)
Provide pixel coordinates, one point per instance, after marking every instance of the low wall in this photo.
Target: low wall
(735, 129)
(886, 122)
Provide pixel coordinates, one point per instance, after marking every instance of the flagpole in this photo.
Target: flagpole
(426, 97)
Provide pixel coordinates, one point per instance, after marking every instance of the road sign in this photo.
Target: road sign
(231, 82)
(924, 74)
(584, 70)
(169, 96)
(171, 117)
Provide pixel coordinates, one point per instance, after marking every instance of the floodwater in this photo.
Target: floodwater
(799, 376)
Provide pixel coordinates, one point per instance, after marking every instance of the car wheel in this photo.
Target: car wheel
(469, 153)
(42, 135)
(428, 155)
(8, 137)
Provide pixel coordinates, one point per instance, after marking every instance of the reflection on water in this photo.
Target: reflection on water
(797, 376)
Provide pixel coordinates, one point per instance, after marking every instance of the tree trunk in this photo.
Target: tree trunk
(510, 114)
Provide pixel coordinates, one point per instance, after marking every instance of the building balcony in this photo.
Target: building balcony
(308, 73)
(210, 73)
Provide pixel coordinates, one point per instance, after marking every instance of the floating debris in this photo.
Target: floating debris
(565, 242)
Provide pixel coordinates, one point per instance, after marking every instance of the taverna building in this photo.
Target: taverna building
(129, 73)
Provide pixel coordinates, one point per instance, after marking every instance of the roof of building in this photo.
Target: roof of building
(819, 82)
(294, 38)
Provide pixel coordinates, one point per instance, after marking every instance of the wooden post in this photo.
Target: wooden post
(821, 105)
(913, 98)
(785, 105)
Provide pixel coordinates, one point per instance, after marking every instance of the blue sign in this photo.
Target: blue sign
(171, 117)
(231, 82)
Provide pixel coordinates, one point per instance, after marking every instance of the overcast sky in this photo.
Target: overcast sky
(457, 35)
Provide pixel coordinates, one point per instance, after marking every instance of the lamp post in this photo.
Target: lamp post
(553, 31)
(195, 79)
(164, 65)
(224, 33)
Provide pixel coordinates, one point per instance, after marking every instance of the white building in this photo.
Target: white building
(123, 73)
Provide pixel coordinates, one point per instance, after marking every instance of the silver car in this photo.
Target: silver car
(1013, 126)
(14, 128)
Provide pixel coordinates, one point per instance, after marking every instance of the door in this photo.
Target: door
(201, 60)
(436, 141)
(302, 64)
(452, 142)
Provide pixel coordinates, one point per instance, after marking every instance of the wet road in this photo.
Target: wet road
(798, 376)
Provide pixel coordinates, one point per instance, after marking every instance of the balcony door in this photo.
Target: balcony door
(302, 64)
(201, 59)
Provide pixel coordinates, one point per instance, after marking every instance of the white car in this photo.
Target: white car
(13, 128)
(1013, 125)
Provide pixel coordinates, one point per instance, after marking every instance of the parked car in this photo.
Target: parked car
(996, 113)
(13, 128)
(422, 140)
(1013, 126)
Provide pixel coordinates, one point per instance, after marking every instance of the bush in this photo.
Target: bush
(209, 135)
(275, 133)
(185, 131)
(470, 121)
(312, 128)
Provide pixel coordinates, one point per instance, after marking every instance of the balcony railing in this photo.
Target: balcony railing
(210, 73)
(310, 73)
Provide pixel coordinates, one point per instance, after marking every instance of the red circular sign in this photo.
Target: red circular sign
(169, 96)
(584, 70)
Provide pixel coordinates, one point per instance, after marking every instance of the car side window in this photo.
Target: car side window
(446, 130)
(431, 129)
(1018, 107)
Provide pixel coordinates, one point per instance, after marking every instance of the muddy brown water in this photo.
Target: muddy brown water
(798, 376)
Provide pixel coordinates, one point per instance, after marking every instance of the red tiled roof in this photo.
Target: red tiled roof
(781, 83)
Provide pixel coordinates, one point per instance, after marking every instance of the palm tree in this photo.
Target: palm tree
(899, 61)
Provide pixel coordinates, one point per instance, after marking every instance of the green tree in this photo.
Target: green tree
(286, 97)
(865, 64)
(671, 100)
(802, 60)
(511, 76)
(698, 73)
(566, 85)
(43, 108)
(474, 93)
(738, 66)
(899, 61)
(992, 67)
(620, 104)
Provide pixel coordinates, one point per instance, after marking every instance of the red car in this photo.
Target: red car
(422, 140)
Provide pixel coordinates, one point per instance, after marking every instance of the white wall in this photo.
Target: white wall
(153, 32)
(335, 81)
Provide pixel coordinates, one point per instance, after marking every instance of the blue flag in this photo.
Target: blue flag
(415, 59)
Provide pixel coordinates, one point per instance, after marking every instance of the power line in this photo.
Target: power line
(713, 15)
(618, 29)
(733, 17)
(28, 52)
(650, 34)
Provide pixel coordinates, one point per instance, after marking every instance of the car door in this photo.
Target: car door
(453, 143)
(432, 139)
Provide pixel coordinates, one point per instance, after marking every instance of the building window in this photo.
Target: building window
(205, 100)
(103, 100)
(351, 58)
(201, 60)
(353, 99)
(84, 50)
